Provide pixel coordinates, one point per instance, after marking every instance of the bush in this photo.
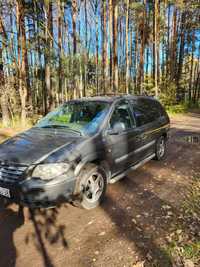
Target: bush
(182, 107)
(179, 108)
(167, 94)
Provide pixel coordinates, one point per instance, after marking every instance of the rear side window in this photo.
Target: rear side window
(147, 110)
(151, 109)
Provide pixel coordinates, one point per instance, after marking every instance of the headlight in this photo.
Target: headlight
(50, 171)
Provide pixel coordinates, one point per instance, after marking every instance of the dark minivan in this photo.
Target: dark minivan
(75, 151)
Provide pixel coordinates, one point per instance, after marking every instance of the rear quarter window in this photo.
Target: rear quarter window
(147, 110)
(151, 108)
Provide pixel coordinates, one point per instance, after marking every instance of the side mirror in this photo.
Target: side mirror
(117, 128)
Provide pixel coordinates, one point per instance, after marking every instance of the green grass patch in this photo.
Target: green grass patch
(183, 252)
(192, 251)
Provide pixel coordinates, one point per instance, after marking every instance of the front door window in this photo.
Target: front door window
(122, 114)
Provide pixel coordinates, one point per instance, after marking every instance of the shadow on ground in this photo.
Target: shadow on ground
(47, 230)
(12, 220)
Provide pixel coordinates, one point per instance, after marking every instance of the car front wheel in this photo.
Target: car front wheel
(92, 185)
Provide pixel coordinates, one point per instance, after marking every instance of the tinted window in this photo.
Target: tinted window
(160, 109)
(140, 116)
(146, 110)
(150, 108)
(122, 114)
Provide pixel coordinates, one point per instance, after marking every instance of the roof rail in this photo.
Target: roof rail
(111, 94)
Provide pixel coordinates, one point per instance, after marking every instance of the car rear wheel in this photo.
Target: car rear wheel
(160, 148)
(92, 185)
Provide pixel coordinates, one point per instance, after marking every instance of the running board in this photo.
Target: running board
(121, 175)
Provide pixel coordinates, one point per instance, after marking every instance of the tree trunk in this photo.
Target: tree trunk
(47, 91)
(127, 47)
(131, 52)
(181, 51)
(115, 47)
(156, 47)
(4, 107)
(3, 91)
(22, 75)
(97, 47)
(174, 45)
(3, 96)
(195, 82)
(136, 61)
(192, 66)
(142, 47)
(86, 45)
(147, 64)
(60, 76)
(168, 40)
(74, 19)
(50, 93)
(104, 46)
(111, 42)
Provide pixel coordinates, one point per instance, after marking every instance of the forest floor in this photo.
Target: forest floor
(142, 221)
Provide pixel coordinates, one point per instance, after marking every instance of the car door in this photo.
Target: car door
(121, 145)
(147, 123)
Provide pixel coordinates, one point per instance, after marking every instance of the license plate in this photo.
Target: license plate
(4, 192)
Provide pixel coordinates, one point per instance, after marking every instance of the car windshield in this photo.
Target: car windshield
(80, 117)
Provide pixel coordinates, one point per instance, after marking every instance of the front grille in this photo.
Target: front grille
(12, 173)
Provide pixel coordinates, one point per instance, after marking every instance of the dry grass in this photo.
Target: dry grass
(185, 244)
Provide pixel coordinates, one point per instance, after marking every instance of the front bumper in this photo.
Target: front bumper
(36, 193)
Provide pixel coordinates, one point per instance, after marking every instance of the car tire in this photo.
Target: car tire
(92, 186)
(160, 149)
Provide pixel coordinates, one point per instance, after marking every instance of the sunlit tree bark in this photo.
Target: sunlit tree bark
(104, 46)
(156, 46)
(111, 42)
(22, 61)
(115, 47)
(3, 91)
(127, 46)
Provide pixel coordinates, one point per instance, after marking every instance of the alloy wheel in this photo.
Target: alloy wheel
(93, 188)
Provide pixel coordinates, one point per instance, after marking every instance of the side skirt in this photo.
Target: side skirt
(123, 174)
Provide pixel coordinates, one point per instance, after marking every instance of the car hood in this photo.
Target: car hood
(35, 145)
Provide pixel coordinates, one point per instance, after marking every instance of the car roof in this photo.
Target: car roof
(112, 98)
